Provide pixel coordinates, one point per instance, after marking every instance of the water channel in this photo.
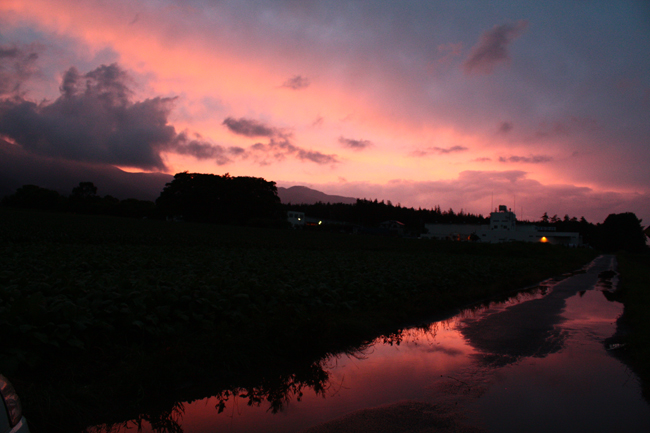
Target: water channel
(536, 362)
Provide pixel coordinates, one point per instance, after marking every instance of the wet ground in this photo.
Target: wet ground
(536, 362)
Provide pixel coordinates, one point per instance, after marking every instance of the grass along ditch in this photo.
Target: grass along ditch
(107, 318)
(634, 292)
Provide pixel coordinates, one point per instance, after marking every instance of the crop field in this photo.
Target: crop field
(94, 309)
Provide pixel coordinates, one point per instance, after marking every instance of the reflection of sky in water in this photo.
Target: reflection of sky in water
(381, 374)
(575, 387)
(580, 388)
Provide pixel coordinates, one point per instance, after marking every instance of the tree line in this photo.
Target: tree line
(83, 199)
(191, 197)
(371, 213)
(244, 200)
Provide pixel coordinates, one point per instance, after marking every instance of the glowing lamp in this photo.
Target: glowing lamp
(543, 239)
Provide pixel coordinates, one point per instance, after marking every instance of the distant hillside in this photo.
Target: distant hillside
(304, 195)
(19, 168)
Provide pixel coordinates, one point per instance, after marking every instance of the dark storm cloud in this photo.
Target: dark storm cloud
(16, 66)
(492, 48)
(439, 150)
(94, 120)
(533, 159)
(297, 82)
(355, 144)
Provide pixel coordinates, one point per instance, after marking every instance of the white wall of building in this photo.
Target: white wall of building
(503, 227)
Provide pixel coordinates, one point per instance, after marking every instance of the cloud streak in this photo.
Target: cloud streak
(279, 146)
(200, 149)
(354, 144)
(533, 159)
(438, 151)
(297, 82)
(250, 128)
(492, 48)
(280, 149)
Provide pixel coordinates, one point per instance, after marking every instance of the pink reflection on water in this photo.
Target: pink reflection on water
(580, 388)
(383, 373)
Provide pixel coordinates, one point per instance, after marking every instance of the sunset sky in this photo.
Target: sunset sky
(542, 106)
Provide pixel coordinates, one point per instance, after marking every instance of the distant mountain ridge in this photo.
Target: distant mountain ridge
(304, 195)
(18, 168)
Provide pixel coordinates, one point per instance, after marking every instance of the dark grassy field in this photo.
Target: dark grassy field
(105, 318)
(634, 288)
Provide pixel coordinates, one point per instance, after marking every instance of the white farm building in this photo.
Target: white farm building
(502, 228)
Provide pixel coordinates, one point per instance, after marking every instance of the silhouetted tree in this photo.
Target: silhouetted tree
(621, 232)
(220, 199)
(35, 197)
(85, 190)
(84, 198)
(545, 218)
